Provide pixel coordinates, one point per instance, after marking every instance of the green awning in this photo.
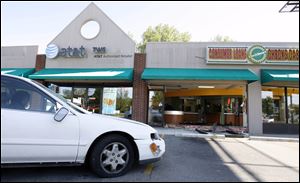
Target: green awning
(282, 77)
(24, 72)
(198, 74)
(84, 74)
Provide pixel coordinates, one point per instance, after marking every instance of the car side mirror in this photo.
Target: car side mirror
(61, 114)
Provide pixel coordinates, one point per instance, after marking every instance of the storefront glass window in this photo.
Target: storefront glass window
(79, 97)
(93, 100)
(273, 105)
(66, 92)
(156, 107)
(293, 105)
(117, 102)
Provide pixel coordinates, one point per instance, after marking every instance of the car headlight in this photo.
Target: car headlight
(155, 136)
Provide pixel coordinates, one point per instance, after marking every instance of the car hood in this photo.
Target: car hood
(117, 119)
(95, 122)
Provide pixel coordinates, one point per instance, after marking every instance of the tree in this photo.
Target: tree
(123, 100)
(219, 38)
(162, 33)
(67, 93)
(267, 106)
(157, 99)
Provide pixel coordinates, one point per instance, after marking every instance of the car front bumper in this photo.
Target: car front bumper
(146, 155)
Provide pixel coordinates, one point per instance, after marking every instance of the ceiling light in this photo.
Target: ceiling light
(206, 86)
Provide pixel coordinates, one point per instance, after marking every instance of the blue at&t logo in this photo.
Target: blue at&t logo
(52, 51)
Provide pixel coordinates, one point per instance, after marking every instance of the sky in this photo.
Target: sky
(37, 23)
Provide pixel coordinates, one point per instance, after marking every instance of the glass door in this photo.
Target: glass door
(233, 115)
(93, 100)
(293, 105)
(156, 108)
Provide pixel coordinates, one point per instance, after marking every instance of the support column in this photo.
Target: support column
(40, 62)
(140, 90)
(245, 113)
(255, 109)
(286, 105)
(222, 117)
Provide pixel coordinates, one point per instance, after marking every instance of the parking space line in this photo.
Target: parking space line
(148, 169)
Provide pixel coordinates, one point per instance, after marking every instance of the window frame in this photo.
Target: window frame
(285, 90)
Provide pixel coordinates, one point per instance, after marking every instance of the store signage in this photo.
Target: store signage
(255, 54)
(53, 51)
(100, 50)
(73, 52)
(112, 56)
(227, 54)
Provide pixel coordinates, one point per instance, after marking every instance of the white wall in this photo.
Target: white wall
(18, 56)
(193, 55)
(111, 36)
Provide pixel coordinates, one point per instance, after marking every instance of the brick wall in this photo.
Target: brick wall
(140, 90)
(40, 62)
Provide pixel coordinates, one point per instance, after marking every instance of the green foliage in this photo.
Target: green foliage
(220, 38)
(294, 109)
(67, 94)
(123, 101)
(267, 105)
(162, 33)
(156, 99)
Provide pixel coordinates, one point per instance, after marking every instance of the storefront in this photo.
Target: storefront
(254, 85)
(91, 64)
(251, 85)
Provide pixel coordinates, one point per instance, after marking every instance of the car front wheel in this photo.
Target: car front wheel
(112, 156)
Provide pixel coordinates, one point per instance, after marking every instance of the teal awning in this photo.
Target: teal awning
(282, 77)
(84, 74)
(198, 74)
(24, 72)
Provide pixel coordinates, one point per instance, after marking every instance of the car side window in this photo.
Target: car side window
(19, 95)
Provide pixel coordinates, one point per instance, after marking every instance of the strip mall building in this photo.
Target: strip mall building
(247, 84)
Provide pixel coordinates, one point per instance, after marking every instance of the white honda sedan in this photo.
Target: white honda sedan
(39, 127)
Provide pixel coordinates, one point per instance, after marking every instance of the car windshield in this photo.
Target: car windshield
(73, 106)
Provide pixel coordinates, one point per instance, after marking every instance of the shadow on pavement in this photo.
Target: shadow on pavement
(186, 159)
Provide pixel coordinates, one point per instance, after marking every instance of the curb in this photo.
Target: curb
(278, 139)
(211, 136)
(218, 136)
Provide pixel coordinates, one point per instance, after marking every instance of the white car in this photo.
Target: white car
(39, 127)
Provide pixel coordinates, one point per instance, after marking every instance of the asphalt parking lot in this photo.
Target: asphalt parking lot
(191, 159)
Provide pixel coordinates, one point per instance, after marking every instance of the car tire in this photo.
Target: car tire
(112, 156)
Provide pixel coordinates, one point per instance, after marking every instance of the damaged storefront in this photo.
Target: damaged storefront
(224, 84)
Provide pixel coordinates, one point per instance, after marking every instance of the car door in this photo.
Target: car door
(29, 133)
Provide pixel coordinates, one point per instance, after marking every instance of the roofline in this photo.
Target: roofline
(92, 3)
(21, 46)
(213, 42)
(114, 23)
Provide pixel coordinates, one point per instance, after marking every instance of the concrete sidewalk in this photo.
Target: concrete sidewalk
(275, 137)
(182, 132)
